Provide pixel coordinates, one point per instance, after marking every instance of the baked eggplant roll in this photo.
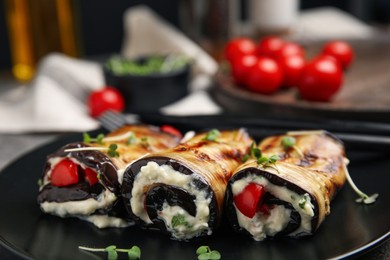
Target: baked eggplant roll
(289, 196)
(180, 191)
(83, 179)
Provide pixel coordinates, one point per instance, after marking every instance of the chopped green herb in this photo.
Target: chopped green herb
(133, 253)
(212, 135)
(40, 182)
(245, 157)
(205, 253)
(302, 201)
(179, 220)
(86, 137)
(112, 150)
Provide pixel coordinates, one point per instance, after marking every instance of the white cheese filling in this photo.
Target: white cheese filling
(81, 207)
(153, 173)
(104, 221)
(261, 225)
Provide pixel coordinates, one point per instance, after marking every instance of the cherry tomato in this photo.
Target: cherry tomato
(320, 80)
(292, 66)
(270, 46)
(289, 48)
(171, 130)
(64, 173)
(238, 47)
(91, 176)
(265, 76)
(108, 98)
(341, 50)
(248, 200)
(241, 66)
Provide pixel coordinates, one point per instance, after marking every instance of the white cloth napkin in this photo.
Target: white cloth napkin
(55, 100)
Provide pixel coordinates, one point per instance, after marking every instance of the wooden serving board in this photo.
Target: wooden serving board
(365, 94)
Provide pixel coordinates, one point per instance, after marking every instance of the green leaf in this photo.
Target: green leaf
(112, 255)
(86, 138)
(262, 160)
(204, 256)
(212, 135)
(134, 253)
(274, 158)
(202, 250)
(245, 158)
(179, 220)
(256, 153)
(288, 142)
(112, 150)
(215, 255)
(99, 138)
(110, 248)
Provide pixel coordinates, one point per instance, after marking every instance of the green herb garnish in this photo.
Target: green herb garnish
(205, 253)
(40, 182)
(290, 142)
(112, 251)
(302, 201)
(131, 139)
(255, 152)
(363, 197)
(179, 220)
(112, 152)
(88, 139)
(212, 135)
(151, 65)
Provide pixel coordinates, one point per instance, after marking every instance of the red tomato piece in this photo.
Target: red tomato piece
(64, 173)
(320, 80)
(265, 76)
(270, 46)
(171, 130)
(108, 98)
(238, 47)
(248, 200)
(241, 66)
(91, 176)
(341, 50)
(290, 48)
(292, 67)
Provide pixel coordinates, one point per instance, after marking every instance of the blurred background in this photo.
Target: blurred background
(80, 28)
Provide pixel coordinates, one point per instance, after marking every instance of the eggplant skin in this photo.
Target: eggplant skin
(318, 169)
(211, 163)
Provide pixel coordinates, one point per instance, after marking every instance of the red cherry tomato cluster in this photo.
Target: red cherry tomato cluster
(273, 63)
(67, 172)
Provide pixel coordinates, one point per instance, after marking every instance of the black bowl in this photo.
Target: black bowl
(148, 93)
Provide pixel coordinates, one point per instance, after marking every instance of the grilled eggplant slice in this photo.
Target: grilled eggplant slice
(290, 197)
(83, 179)
(180, 191)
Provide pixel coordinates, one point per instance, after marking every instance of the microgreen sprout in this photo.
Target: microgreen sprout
(290, 142)
(88, 139)
(260, 159)
(131, 139)
(364, 198)
(212, 135)
(112, 152)
(112, 251)
(205, 253)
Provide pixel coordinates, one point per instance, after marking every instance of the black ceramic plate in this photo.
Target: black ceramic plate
(350, 229)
